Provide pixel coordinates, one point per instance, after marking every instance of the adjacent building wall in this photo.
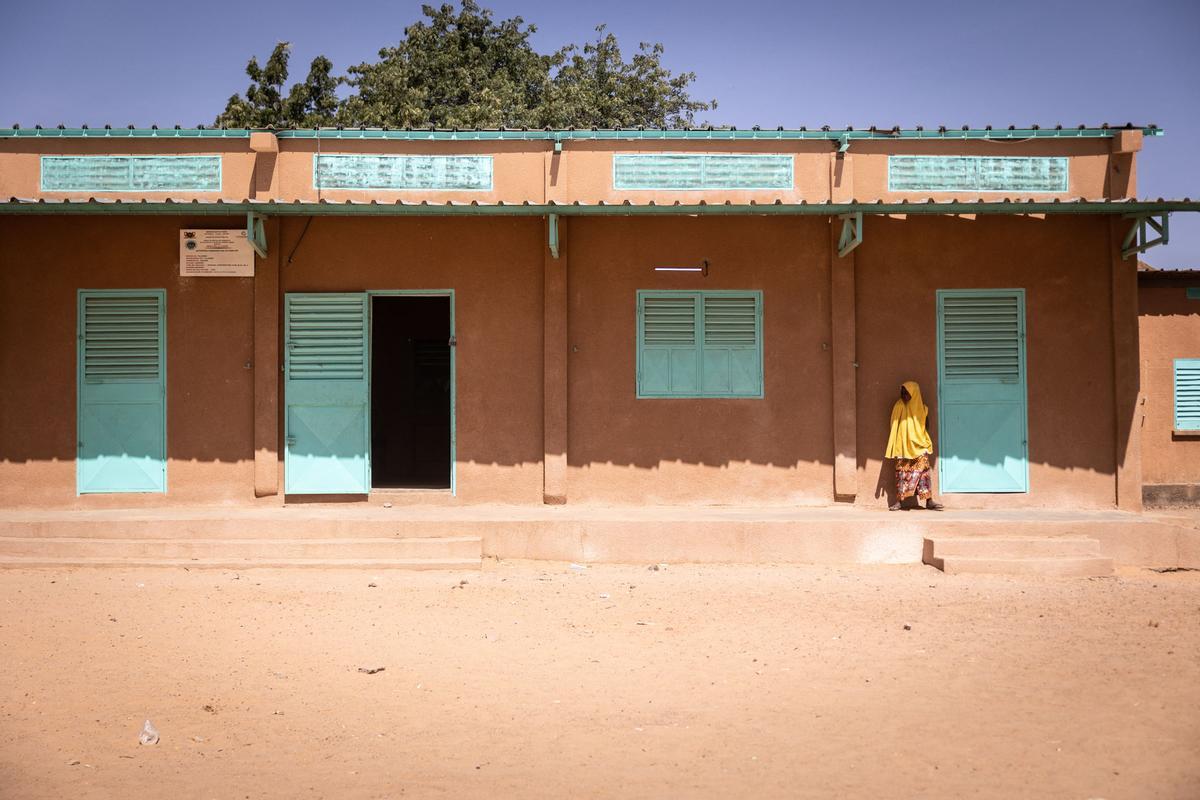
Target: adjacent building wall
(1169, 326)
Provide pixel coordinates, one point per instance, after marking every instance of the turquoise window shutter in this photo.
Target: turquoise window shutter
(731, 351)
(982, 423)
(1187, 394)
(327, 394)
(668, 344)
(699, 344)
(121, 392)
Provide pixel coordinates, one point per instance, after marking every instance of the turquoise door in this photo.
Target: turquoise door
(121, 425)
(326, 390)
(983, 444)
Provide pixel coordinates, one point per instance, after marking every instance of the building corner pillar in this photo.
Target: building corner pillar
(845, 378)
(554, 365)
(1126, 372)
(266, 365)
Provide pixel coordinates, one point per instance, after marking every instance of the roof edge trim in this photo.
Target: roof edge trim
(16, 206)
(624, 134)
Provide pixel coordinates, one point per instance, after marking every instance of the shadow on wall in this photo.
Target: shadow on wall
(496, 268)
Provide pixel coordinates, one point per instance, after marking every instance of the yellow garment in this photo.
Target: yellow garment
(908, 437)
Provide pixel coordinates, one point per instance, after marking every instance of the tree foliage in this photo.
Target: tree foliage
(311, 103)
(597, 87)
(459, 67)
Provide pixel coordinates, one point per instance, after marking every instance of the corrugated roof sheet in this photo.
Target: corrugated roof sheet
(527, 208)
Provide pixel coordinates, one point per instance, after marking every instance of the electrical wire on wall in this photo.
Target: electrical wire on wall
(317, 178)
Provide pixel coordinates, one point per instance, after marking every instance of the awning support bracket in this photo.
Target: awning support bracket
(852, 233)
(1138, 240)
(256, 233)
(552, 227)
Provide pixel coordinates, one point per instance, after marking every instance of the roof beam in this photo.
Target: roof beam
(1138, 240)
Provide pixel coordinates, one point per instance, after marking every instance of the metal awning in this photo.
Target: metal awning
(371, 208)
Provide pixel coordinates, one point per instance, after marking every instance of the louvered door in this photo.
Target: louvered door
(327, 394)
(983, 443)
(122, 392)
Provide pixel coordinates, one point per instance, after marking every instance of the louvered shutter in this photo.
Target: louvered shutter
(669, 353)
(122, 392)
(981, 391)
(1187, 394)
(982, 338)
(327, 392)
(732, 345)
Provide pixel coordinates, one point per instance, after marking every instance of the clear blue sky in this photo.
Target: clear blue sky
(788, 63)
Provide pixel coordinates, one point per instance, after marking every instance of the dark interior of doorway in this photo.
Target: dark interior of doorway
(410, 392)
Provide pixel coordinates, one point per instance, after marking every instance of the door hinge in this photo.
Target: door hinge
(290, 441)
(453, 341)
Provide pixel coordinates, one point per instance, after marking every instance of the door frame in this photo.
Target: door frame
(80, 294)
(449, 293)
(1024, 365)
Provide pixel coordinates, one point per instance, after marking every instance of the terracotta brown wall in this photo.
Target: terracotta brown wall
(1063, 263)
(1169, 325)
(495, 268)
(775, 450)
(43, 262)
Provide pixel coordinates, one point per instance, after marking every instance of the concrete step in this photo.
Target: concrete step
(31, 562)
(1065, 556)
(236, 526)
(428, 552)
(986, 545)
(1062, 567)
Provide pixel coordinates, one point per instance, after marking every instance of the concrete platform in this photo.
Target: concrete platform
(340, 532)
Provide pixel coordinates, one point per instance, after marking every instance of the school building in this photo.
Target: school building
(586, 344)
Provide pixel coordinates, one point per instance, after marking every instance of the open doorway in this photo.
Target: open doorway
(410, 392)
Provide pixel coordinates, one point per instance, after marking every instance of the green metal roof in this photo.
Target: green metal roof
(125, 133)
(373, 209)
(623, 134)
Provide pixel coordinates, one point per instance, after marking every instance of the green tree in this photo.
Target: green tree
(457, 68)
(597, 87)
(460, 68)
(308, 104)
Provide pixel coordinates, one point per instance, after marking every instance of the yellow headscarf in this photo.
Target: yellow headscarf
(908, 437)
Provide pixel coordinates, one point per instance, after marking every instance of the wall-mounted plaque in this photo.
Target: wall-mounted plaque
(215, 253)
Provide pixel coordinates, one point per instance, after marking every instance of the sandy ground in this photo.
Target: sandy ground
(537, 680)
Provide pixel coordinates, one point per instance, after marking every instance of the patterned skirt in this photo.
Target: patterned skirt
(913, 477)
